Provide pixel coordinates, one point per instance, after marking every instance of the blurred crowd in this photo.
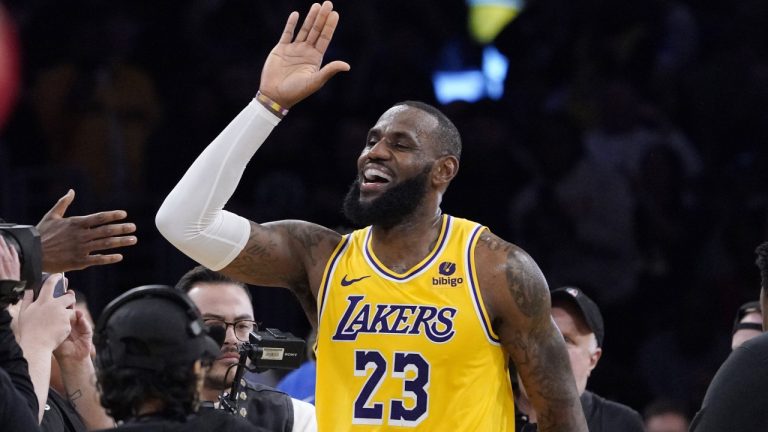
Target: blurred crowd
(625, 155)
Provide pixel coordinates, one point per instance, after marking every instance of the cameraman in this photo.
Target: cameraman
(227, 303)
(18, 403)
(151, 349)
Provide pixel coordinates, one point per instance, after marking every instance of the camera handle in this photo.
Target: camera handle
(230, 402)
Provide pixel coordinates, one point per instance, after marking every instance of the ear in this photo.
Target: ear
(444, 170)
(594, 357)
(764, 307)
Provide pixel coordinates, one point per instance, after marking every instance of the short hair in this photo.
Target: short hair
(447, 134)
(202, 274)
(762, 264)
(665, 406)
(124, 390)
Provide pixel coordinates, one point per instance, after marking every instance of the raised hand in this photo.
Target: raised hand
(69, 242)
(46, 321)
(78, 345)
(73, 356)
(292, 70)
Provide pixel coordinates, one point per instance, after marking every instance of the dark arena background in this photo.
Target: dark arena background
(622, 144)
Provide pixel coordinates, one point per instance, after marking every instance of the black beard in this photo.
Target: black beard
(220, 383)
(390, 208)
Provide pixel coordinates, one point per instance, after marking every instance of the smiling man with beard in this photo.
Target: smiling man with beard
(392, 207)
(418, 312)
(226, 303)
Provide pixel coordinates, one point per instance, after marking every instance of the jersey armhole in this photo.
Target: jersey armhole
(328, 275)
(474, 288)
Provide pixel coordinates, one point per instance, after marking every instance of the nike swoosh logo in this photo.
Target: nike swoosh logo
(345, 282)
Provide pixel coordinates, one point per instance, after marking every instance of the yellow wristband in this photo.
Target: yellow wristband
(271, 105)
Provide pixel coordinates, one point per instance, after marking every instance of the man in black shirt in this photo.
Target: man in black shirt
(226, 303)
(736, 398)
(581, 323)
(151, 348)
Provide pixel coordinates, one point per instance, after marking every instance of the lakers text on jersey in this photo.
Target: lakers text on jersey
(413, 350)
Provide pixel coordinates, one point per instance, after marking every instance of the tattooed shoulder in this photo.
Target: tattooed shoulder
(526, 284)
(261, 243)
(314, 239)
(520, 276)
(257, 257)
(493, 242)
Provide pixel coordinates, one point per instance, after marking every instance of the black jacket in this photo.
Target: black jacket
(602, 416)
(607, 416)
(60, 415)
(213, 421)
(18, 403)
(737, 398)
(265, 407)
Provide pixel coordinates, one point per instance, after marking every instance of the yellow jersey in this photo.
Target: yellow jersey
(413, 350)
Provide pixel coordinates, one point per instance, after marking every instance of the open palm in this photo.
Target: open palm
(292, 71)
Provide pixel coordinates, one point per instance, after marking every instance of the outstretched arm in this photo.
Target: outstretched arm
(192, 217)
(71, 243)
(518, 302)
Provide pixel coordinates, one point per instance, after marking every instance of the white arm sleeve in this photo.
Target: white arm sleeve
(192, 217)
(304, 419)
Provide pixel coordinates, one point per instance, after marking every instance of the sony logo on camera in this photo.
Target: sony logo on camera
(275, 349)
(446, 269)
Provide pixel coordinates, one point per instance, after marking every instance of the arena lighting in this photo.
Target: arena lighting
(472, 85)
(488, 17)
(473, 82)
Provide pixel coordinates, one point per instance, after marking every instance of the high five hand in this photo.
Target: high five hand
(292, 70)
(69, 242)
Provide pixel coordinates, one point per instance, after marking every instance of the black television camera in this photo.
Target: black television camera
(26, 240)
(267, 349)
(274, 349)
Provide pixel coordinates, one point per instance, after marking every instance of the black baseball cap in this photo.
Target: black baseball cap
(153, 329)
(589, 310)
(748, 307)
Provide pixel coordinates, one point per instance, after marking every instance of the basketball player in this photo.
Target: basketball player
(416, 313)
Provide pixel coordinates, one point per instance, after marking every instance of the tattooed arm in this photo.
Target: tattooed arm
(193, 218)
(290, 254)
(517, 299)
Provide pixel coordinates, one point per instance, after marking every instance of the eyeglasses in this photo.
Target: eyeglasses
(242, 328)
